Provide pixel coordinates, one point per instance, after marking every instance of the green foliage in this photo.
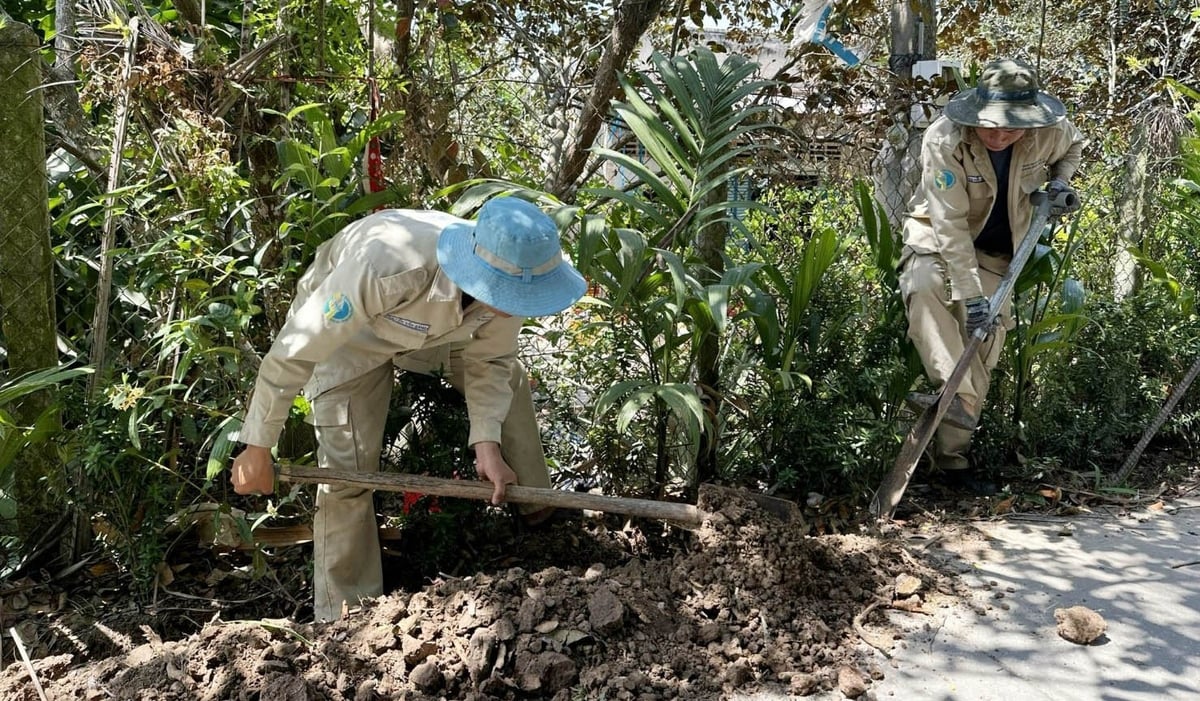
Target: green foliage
(15, 437)
(1091, 404)
(318, 177)
(835, 433)
(218, 213)
(1047, 307)
(698, 132)
(1101, 368)
(789, 329)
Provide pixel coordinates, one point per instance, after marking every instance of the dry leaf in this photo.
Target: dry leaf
(163, 576)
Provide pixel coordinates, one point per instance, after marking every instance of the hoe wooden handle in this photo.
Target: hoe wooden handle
(469, 489)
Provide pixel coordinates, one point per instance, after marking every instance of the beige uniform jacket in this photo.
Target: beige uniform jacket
(958, 190)
(374, 292)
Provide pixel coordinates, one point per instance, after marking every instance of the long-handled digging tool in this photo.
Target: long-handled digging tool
(470, 489)
(887, 497)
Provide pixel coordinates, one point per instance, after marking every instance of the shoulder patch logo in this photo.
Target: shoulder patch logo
(944, 180)
(338, 308)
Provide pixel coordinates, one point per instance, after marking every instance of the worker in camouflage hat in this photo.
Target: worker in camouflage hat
(994, 145)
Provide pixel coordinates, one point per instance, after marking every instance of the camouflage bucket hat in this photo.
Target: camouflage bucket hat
(1006, 97)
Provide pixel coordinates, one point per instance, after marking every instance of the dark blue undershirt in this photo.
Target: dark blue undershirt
(996, 235)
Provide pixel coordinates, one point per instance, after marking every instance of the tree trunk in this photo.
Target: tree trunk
(60, 100)
(710, 245)
(898, 173)
(26, 263)
(632, 19)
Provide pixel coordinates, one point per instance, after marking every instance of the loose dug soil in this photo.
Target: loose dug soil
(743, 603)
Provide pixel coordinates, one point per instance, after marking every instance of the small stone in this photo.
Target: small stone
(851, 682)
(1080, 624)
(907, 585)
(504, 629)
(739, 674)
(416, 651)
(546, 672)
(481, 653)
(365, 691)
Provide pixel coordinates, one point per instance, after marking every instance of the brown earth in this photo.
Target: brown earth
(744, 603)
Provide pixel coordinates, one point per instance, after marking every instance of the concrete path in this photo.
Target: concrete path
(1132, 570)
(1002, 644)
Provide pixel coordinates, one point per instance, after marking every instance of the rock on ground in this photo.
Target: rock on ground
(1080, 624)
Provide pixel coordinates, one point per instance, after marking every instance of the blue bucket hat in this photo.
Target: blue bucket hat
(510, 258)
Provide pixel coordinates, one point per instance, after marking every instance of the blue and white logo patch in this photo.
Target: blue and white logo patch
(338, 308)
(944, 180)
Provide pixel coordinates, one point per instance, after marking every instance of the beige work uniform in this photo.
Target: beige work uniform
(375, 298)
(940, 266)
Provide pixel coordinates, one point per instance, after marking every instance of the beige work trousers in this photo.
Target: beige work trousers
(937, 327)
(349, 421)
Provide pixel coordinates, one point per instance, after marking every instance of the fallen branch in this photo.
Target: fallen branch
(1185, 564)
(28, 665)
(864, 634)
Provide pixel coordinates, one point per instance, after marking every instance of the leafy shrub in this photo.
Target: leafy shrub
(1088, 407)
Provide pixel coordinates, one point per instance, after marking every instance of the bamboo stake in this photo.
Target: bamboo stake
(28, 665)
(104, 285)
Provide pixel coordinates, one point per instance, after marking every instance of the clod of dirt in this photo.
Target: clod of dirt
(1080, 624)
(605, 611)
(803, 684)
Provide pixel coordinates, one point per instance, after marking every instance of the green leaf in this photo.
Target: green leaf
(36, 381)
(615, 393)
(718, 306)
(223, 444)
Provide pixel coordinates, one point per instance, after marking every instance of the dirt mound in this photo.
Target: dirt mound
(749, 603)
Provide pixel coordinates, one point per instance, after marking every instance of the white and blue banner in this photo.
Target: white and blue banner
(813, 27)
